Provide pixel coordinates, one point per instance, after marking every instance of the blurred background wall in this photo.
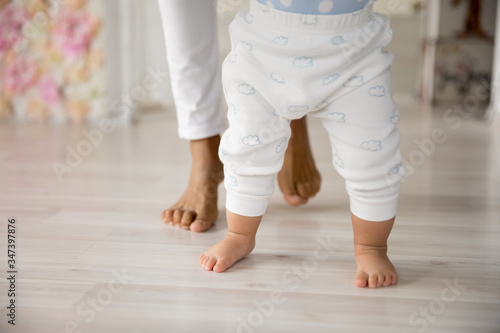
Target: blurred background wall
(52, 60)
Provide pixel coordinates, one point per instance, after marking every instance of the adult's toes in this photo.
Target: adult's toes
(361, 279)
(163, 216)
(167, 216)
(199, 225)
(187, 219)
(317, 185)
(290, 193)
(306, 190)
(294, 199)
(177, 217)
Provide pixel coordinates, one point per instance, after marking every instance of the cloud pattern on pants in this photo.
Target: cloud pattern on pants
(330, 78)
(395, 169)
(251, 140)
(338, 40)
(280, 40)
(336, 116)
(280, 147)
(372, 145)
(355, 81)
(338, 161)
(232, 181)
(377, 91)
(277, 78)
(246, 89)
(303, 62)
(298, 108)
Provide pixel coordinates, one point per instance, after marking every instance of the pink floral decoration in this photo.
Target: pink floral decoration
(49, 90)
(12, 19)
(19, 75)
(73, 32)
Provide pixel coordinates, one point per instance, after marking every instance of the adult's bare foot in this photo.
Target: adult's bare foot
(196, 210)
(299, 179)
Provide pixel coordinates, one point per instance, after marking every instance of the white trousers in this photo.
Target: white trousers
(190, 30)
(285, 65)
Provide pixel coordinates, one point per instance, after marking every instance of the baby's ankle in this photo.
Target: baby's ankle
(243, 237)
(362, 249)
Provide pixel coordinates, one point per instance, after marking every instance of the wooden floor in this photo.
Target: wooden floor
(93, 255)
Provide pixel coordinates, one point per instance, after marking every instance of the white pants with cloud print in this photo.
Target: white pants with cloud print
(190, 30)
(283, 66)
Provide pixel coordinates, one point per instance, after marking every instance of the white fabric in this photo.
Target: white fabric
(190, 30)
(283, 66)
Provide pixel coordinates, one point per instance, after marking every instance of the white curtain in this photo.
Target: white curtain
(136, 58)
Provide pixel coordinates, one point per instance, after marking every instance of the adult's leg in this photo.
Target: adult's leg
(190, 32)
(299, 179)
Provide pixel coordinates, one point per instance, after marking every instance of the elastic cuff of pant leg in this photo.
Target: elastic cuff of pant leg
(375, 210)
(246, 205)
(201, 132)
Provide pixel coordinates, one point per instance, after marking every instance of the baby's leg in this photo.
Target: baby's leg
(238, 242)
(362, 130)
(370, 248)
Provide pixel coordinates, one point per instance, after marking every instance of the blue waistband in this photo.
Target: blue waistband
(307, 22)
(317, 7)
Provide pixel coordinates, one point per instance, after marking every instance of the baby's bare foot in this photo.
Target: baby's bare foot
(374, 267)
(299, 179)
(227, 252)
(196, 210)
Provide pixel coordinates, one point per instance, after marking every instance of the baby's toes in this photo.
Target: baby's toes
(203, 260)
(361, 279)
(387, 280)
(373, 280)
(210, 263)
(380, 280)
(221, 266)
(394, 278)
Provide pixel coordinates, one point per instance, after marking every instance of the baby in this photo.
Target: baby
(325, 59)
